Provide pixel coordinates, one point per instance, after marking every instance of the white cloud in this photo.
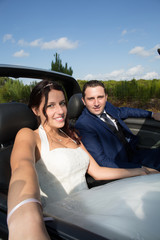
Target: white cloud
(151, 75)
(36, 43)
(156, 47)
(116, 73)
(89, 77)
(8, 37)
(157, 57)
(124, 32)
(61, 43)
(136, 72)
(21, 53)
(140, 51)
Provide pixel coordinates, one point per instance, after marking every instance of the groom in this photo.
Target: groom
(107, 137)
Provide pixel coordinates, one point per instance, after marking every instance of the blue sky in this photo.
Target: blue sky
(99, 39)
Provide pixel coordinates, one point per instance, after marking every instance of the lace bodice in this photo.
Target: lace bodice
(61, 171)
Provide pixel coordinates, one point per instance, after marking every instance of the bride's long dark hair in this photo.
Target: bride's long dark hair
(41, 90)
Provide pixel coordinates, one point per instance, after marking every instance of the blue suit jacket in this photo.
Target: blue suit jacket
(102, 143)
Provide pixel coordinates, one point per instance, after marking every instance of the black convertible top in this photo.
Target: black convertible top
(70, 84)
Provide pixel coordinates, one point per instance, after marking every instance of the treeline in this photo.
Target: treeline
(136, 93)
(14, 90)
(141, 90)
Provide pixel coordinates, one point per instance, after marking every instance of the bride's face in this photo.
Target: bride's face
(56, 109)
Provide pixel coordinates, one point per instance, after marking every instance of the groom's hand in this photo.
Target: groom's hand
(156, 116)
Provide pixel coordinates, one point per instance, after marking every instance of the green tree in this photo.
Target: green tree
(3, 80)
(14, 91)
(58, 67)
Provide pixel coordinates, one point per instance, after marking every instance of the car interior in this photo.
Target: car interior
(14, 116)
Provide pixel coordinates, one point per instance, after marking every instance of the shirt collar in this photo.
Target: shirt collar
(99, 115)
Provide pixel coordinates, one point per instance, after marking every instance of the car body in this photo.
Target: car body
(14, 116)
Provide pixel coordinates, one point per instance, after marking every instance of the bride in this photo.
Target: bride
(48, 175)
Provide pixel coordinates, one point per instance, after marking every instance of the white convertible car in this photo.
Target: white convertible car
(14, 116)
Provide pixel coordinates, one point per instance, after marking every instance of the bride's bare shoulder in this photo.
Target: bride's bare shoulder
(27, 133)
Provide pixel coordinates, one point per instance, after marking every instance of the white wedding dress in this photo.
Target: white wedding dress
(123, 209)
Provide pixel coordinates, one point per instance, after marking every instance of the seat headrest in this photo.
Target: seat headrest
(75, 106)
(5, 169)
(13, 117)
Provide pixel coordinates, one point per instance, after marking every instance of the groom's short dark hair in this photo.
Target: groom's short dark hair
(93, 83)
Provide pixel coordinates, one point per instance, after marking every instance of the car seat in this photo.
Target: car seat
(75, 108)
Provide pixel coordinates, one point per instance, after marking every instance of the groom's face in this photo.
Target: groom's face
(95, 99)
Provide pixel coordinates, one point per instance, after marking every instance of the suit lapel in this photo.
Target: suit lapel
(111, 110)
(97, 120)
(102, 123)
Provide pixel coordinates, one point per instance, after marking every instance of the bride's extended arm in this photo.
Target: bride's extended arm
(26, 219)
(106, 173)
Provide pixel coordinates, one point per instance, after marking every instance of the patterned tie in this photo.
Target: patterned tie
(119, 133)
(108, 121)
